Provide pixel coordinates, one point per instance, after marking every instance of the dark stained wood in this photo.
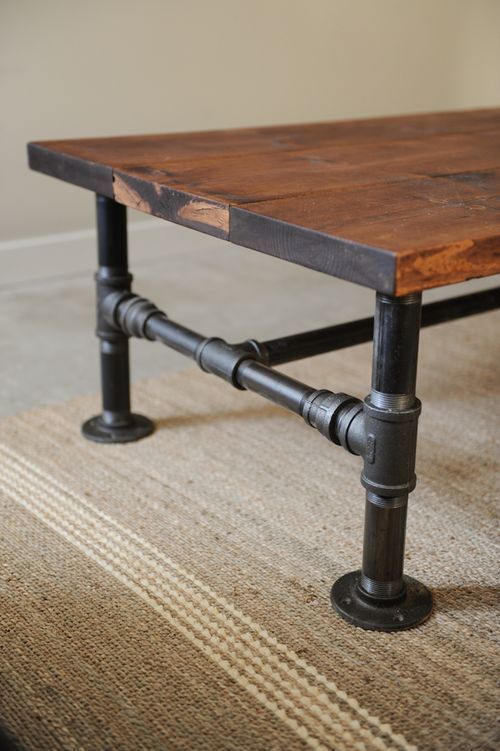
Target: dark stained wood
(397, 204)
(194, 211)
(438, 230)
(144, 149)
(261, 177)
(354, 262)
(72, 169)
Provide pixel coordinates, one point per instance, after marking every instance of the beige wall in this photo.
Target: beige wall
(74, 68)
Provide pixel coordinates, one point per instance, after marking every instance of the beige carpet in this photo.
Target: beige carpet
(174, 594)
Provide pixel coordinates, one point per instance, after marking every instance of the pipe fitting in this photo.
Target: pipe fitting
(214, 355)
(110, 281)
(257, 350)
(391, 440)
(129, 312)
(338, 417)
(333, 415)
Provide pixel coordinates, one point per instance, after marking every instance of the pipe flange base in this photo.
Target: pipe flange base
(412, 609)
(99, 431)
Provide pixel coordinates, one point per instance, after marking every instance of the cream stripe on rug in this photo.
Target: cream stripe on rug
(265, 668)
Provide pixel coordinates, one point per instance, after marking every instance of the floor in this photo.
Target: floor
(48, 349)
(192, 570)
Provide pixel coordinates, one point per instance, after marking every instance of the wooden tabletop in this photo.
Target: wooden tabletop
(398, 204)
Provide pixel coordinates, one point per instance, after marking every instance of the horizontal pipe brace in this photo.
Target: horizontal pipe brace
(319, 341)
(338, 417)
(367, 429)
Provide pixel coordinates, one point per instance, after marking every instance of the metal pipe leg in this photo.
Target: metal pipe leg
(380, 597)
(116, 423)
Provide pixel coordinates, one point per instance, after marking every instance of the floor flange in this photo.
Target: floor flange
(99, 431)
(410, 610)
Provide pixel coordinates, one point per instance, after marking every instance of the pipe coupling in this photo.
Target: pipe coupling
(214, 355)
(338, 417)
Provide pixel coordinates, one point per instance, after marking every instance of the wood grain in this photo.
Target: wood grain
(397, 204)
(176, 206)
(144, 149)
(72, 169)
(439, 230)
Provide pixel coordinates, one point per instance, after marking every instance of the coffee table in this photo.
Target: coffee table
(398, 204)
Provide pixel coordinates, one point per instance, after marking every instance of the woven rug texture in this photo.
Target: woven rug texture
(174, 593)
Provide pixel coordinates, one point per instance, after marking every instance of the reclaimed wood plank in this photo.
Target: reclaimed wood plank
(439, 230)
(144, 149)
(194, 211)
(263, 177)
(72, 169)
(397, 204)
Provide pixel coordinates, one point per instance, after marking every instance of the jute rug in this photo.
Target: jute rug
(174, 593)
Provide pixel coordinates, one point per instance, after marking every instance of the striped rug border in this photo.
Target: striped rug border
(324, 716)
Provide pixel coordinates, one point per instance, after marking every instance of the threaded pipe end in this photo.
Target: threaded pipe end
(381, 590)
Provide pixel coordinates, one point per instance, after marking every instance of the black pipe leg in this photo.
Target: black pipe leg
(380, 596)
(116, 423)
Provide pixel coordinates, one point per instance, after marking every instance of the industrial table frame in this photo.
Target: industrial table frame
(397, 204)
(381, 429)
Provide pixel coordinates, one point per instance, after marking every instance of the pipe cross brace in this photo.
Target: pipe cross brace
(337, 416)
(381, 430)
